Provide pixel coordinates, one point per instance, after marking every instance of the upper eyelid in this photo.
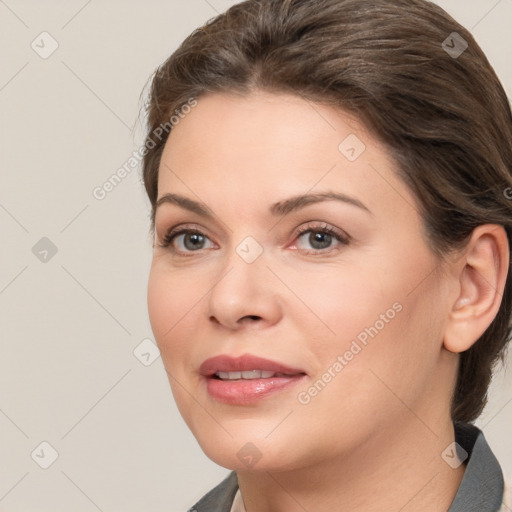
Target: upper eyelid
(303, 226)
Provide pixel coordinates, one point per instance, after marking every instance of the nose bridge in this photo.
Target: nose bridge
(242, 289)
(244, 270)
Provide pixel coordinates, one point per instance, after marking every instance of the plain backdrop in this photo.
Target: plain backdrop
(76, 343)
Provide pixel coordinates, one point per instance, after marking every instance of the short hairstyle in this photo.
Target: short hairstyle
(438, 107)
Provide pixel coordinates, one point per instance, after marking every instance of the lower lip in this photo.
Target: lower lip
(248, 391)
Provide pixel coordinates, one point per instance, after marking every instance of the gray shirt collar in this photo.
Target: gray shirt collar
(481, 488)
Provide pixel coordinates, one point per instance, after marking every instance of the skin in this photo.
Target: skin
(372, 439)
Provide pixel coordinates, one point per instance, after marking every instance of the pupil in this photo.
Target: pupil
(317, 237)
(195, 240)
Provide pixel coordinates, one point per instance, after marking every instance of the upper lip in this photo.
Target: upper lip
(246, 362)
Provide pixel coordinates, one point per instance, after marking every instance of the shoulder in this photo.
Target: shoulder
(220, 498)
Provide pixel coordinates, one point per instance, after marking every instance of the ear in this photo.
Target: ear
(481, 273)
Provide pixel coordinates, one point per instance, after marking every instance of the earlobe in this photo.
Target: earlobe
(482, 272)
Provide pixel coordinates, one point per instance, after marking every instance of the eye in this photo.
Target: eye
(187, 240)
(321, 238)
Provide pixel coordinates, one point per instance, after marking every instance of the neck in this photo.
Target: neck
(391, 471)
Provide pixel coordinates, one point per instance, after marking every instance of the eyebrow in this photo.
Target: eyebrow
(277, 209)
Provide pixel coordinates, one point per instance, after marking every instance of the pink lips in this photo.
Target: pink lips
(245, 391)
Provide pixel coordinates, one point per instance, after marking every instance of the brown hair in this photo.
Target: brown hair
(444, 117)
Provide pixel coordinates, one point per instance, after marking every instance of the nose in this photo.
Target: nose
(245, 295)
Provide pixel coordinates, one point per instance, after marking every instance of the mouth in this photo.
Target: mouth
(247, 379)
(249, 375)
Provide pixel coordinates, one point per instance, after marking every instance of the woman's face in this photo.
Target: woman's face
(349, 321)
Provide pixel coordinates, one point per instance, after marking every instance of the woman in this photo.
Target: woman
(330, 184)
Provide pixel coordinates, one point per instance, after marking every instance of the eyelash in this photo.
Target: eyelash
(325, 229)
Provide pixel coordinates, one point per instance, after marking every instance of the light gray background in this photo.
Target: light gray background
(69, 326)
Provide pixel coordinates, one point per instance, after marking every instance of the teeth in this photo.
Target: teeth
(251, 374)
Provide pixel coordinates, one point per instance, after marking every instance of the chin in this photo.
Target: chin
(251, 450)
(248, 458)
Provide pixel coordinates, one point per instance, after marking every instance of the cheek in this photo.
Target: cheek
(340, 302)
(170, 307)
(391, 351)
(160, 303)
(170, 302)
(375, 316)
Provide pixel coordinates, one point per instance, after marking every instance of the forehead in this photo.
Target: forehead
(242, 126)
(265, 146)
